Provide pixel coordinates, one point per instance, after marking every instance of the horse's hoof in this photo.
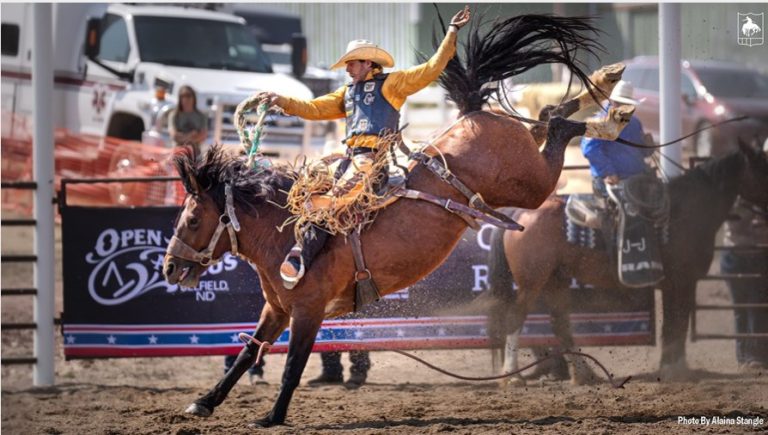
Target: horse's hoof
(512, 382)
(198, 410)
(677, 371)
(263, 423)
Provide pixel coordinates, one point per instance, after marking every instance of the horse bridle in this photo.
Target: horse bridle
(227, 220)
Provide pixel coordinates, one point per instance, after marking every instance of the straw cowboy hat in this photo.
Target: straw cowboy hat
(624, 93)
(361, 49)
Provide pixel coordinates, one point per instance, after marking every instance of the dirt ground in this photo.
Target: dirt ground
(148, 396)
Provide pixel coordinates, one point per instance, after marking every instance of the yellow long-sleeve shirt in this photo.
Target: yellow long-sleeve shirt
(397, 87)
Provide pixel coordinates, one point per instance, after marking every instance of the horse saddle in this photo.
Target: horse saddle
(633, 221)
(642, 209)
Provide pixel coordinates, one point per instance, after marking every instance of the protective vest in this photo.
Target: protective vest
(368, 112)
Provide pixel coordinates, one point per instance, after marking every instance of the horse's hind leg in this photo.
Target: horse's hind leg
(271, 325)
(605, 79)
(304, 326)
(558, 299)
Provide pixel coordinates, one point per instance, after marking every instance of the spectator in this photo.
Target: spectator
(186, 124)
(750, 228)
(333, 371)
(255, 373)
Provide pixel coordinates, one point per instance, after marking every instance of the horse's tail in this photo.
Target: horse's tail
(501, 291)
(513, 46)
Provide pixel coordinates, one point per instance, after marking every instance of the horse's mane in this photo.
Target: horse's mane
(721, 173)
(511, 47)
(250, 188)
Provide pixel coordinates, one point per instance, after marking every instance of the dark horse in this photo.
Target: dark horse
(492, 154)
(543, 262)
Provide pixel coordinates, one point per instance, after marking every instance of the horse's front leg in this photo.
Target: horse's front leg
(304, 327)
(271, 325)
(678, 299)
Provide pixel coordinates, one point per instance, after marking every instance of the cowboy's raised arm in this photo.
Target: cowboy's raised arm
(409, 81)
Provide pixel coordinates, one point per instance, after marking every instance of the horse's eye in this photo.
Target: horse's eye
(193, 222)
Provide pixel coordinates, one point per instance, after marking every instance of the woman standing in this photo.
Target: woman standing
(186, 124)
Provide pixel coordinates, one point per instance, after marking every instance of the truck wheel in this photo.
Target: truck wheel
(126, 127)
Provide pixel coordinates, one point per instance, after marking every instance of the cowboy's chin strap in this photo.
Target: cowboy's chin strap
(227, 220)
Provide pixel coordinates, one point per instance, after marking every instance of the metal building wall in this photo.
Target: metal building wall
(329, 26)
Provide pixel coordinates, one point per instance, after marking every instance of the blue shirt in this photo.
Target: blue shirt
(612, 158)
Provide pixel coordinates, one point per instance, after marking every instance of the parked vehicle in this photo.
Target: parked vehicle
(711, 92)
(126, 80)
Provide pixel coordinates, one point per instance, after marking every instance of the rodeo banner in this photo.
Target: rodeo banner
(117, 303)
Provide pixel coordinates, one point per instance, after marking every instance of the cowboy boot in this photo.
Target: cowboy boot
(299, 259)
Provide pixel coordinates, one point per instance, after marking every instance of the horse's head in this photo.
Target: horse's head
(754, 183)
(205, 227)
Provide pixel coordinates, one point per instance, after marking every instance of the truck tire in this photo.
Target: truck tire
(125, 126)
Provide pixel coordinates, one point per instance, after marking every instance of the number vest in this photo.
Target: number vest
(368, 112)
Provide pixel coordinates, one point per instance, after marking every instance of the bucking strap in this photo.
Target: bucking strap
(475, 199)
(459, 209)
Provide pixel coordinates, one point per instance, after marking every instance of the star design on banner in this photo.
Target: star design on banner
(235, 338)
(483, 331)
(153, 339)
(400, 333)
(359, 334)
(643, 326)
(608, 328)
(194, 339)
(441, 331)
(70, 339)
(525, 330)
(111, 339)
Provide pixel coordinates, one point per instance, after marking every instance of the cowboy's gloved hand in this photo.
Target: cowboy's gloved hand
(461, 18)
(271, 98)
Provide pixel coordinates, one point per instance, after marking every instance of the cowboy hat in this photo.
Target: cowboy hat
(361, 49)
(624, 93)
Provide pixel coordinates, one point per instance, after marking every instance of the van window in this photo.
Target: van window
(634, 76)
(10, 34)
(114, 39)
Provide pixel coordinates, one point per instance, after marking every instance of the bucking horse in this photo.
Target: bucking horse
(494, 157)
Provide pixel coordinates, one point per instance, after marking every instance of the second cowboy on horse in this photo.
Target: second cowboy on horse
(371, 105)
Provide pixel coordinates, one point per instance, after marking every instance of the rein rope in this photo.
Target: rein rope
(610, 377)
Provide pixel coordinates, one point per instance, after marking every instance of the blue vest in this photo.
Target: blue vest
(368, 112)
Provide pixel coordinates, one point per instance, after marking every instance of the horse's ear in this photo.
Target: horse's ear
(185, 168)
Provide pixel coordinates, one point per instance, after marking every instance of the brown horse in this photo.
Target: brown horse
(542, 262)
(493, 155)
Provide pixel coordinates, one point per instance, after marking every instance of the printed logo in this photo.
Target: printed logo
(129, 263)
(369, 87)
(750, 29)
(368, 100)
(98, 101)
(363, 125)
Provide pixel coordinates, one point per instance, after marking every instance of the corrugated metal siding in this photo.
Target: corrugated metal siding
(708, 31)
(330, 26)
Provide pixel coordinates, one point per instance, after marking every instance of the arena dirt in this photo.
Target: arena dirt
(148, 396)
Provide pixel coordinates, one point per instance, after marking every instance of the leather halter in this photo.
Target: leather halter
(227, 220)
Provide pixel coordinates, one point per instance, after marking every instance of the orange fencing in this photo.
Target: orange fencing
(86, 156)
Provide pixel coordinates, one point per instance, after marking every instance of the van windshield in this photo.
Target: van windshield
(197, 43)
(728, 83)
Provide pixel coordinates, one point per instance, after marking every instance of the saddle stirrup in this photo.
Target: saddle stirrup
(290, 282)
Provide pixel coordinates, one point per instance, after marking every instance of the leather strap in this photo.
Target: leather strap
(362, 272)
(459, 209)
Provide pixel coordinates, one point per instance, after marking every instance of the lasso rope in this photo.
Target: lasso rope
(250, 137)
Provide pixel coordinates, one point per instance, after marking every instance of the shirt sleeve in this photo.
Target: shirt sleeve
(595, 151)
(401, 84)
(329, 106)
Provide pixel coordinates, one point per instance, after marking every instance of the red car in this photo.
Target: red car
(712, 91)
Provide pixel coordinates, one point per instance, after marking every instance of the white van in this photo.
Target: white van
(126, 80)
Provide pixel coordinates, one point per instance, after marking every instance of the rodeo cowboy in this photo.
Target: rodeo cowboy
(371, 105)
